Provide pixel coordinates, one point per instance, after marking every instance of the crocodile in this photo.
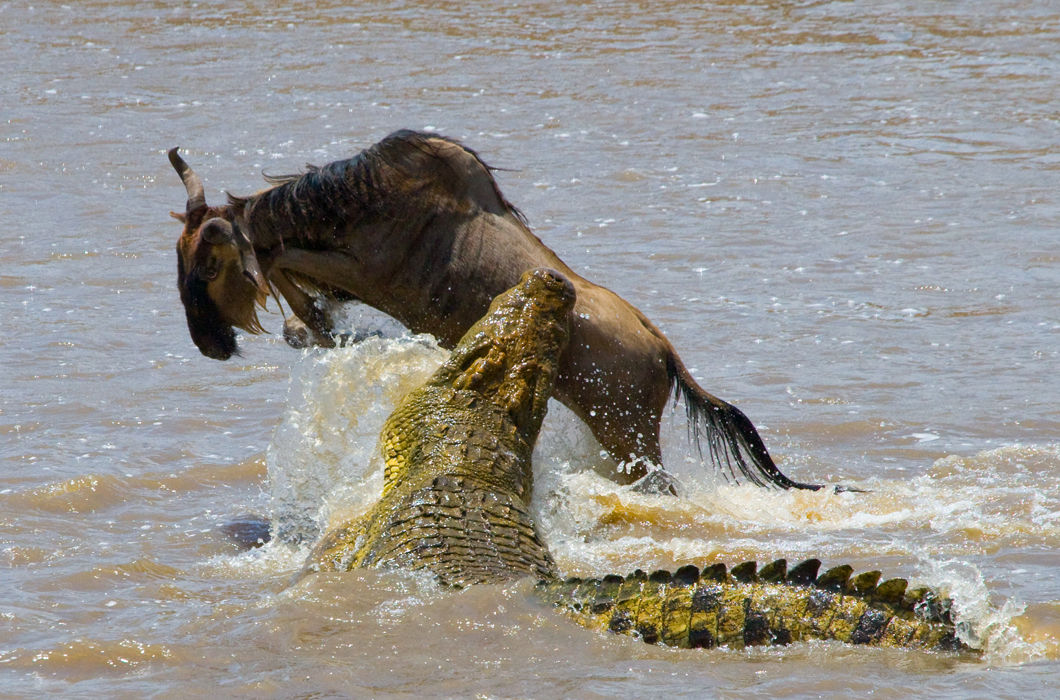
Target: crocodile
(455, 502)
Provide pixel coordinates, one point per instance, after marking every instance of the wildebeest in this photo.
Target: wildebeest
(417, 227)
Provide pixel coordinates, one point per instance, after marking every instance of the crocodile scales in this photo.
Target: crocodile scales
(457, 484)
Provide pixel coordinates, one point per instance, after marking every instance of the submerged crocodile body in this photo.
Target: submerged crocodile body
(457, 486)
(714, 607)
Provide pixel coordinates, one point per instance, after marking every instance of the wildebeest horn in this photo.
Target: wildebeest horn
(196, 194)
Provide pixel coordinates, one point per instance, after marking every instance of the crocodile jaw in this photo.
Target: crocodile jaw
(511, 356)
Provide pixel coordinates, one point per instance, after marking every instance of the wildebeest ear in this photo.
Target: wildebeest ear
(179, 217)
(217, 231)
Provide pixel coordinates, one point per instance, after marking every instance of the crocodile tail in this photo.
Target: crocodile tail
(733, 443)
(748, 606)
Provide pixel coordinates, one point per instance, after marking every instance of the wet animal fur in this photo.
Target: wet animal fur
(417, 227)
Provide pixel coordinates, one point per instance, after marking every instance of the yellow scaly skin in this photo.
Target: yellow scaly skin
(457, 485)
(457, 452)
(710, 608)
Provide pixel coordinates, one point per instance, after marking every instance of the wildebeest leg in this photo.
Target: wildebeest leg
(623, 416)
(622, 374)
(635, 445)
(311, 323)
(299, 335)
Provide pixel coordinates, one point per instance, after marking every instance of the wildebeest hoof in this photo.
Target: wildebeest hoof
(657, 482)
(296, 334)
(299, 335)
(347, 339)
(248, 531)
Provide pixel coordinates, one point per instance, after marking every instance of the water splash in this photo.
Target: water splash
(323, 466)
(324, 454)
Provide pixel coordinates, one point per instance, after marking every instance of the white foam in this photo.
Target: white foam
(324, 454)
(323, 465)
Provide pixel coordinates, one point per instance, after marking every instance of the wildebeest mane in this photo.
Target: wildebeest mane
(404, 177)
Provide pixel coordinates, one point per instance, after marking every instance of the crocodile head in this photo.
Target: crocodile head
(511, 356)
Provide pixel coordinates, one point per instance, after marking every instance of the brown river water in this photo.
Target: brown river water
(844, 215)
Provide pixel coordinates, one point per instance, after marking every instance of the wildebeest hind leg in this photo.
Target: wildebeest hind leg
(629, 431)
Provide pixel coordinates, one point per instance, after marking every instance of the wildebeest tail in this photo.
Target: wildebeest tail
(732, 441)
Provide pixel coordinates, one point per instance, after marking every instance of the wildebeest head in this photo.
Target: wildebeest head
(217, 271)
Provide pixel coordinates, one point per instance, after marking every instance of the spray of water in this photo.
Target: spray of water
(323, 466)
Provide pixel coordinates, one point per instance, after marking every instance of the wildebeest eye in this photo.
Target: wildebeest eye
(210, 270)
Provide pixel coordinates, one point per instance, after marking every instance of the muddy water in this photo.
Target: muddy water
(843, 214)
